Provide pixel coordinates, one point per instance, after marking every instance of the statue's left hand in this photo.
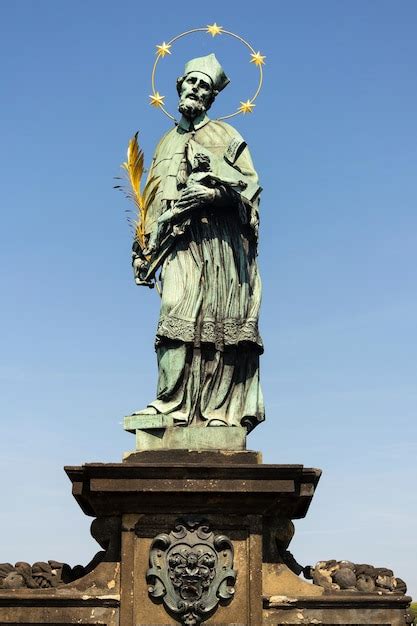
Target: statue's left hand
(140, 268)
(196, 196)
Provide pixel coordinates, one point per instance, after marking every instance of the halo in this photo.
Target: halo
(157, 100)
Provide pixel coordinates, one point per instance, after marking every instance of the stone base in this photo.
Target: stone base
(200, 513)
(132, 423)
(158, 432)
(176, 487)
(160, 493)
(338, 608)
(194, 457)
(178, 438)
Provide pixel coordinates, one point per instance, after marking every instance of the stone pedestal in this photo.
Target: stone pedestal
(189, 538)
(227, 496)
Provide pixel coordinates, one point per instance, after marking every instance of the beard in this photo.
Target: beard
(191, 108)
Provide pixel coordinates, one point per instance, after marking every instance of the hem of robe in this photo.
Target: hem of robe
(198, 339)
(247, 421)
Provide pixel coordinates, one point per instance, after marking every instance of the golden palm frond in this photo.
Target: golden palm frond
(134, 168)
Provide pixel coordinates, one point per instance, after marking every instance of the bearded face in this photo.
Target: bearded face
(196, 95)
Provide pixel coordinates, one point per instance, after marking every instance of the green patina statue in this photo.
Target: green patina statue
(201, 231)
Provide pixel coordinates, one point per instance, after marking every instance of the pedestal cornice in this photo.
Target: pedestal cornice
(115, 488)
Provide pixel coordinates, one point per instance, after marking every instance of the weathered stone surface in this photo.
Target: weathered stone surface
(40, 575)
(244, 533)
(147, 422)
(54, 574)
(279, 580)
(194, 457)
(182, 438)
(335, 575)
(336, 609)
(248, 506)
(55, 593)
(233, 497)
(115, 488)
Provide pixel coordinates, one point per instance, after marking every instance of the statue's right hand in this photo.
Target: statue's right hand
(196, 196)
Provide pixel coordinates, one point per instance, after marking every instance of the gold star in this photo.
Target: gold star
(246, 107)
(163, 49)
(258, 58)
(214, 30)
(157, 100)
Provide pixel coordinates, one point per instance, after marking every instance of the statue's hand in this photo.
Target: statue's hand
(140, 267)
(196, 196)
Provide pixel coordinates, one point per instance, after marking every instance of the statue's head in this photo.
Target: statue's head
(202, 80)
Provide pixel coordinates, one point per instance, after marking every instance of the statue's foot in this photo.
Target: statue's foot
(149, 410)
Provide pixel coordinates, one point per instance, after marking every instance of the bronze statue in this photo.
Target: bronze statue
(201, 232)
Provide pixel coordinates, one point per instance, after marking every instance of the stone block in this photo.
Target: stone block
(147, 422)
(180, 438)
(194, 457)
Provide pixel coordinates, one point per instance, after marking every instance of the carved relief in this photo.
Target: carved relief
(191, 571)
(277, 535)
(347, 576)
(53, 574)
(40, 575)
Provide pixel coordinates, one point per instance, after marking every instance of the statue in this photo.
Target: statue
(201, 232)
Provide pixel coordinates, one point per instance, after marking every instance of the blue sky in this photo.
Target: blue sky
(333, 137)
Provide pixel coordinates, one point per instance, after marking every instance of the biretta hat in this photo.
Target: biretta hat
(209, 66)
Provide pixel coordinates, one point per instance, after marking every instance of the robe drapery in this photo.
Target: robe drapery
(207, 339)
